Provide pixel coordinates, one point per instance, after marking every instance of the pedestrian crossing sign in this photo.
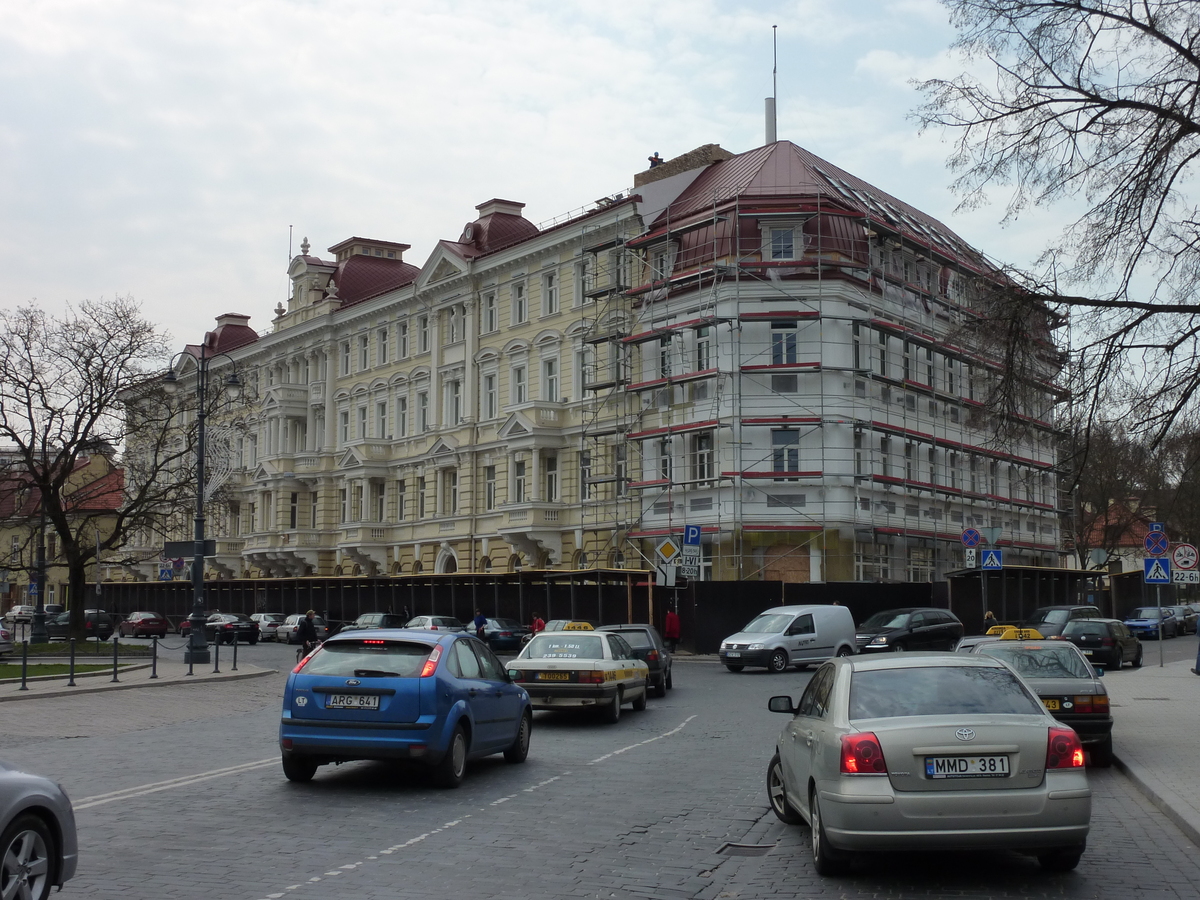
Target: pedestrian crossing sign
(1158, 571)
(992, 559)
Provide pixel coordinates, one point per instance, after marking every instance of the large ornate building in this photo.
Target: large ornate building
(762, 345)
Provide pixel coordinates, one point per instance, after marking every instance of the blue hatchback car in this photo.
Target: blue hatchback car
(431, 697)
(1144, 622)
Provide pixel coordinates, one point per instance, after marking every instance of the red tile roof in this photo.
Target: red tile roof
(362, 277)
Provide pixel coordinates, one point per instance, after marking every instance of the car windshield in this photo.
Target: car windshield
(1145, 612)
(1051, 616)
(1099, 629)
(564, 645)
(369, 659)
(772, 623)
(1040, 661)
(939, 691)
(887, 619)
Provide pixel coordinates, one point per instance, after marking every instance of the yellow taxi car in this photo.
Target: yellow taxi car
(581, 668)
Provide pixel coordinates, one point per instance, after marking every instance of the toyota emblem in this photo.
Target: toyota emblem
(354, 682)
(965, 734)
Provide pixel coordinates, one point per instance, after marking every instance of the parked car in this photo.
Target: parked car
(561, 625)
(268, 624)
(916, 628)
(53, 609)
(6, 641)
(914, 720)
(287, 631)
(144, 624)
(790, 636)
(1050, 620)
(436, 698)
(504, 634)
(648, 646)
(375, 620)
(20, 615)
(226, 628)
(97, 624)
(1068, 686)
(1145, 622)
(581, 670)
(436, 623)
(1105, 642)
(38, 845)
(1187, 618)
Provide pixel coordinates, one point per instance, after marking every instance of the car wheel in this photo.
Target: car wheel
(734, 668)
(451, 771)
(298, 768)
(252, 641)
(1063, 859)
(1137, 660)
(520, 747)
(844, 651)
(899, 648)
(670, 682)
(660, 687)
(778, 662)
(827, 860)
(1102, 757)
(612, 712)
(27, 857)
(639, 704)
(783, 810)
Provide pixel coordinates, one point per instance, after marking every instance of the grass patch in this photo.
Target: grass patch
(7, 670)
(86, 649)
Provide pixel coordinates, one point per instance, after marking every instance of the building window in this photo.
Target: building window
(619, 465)
(783, 243)
(664, 357)
(549, 294)
(519, 482)
(364, 355)
(585, 475)
(784, 337)
(293, 510)
(454, 402)
(422, 496)
(490, 409)
(401, 500)
(381, 338)
(381, 428)
(785, 452)
(518, 384)
(450, 492)
(423, 411)
(664, 460)
(550, 380)
(704, 339)
(345, 357)
(582, 283)
(377, 497)
(489, 321)
(881, 358)
(401, 417)
(859, 468)
(933, 471)
(402, 333)
(550, 464)
(520, 304)
(343, 505)
(422, 334)
(910, 461)
(344, 426)
(489, 487)
(362, 423)
(703, 458)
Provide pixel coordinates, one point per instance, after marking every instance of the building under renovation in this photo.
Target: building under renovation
(759, 344)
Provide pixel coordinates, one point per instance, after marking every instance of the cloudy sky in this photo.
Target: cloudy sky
(163, 149)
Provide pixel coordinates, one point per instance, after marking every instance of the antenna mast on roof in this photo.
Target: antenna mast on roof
(770, 102)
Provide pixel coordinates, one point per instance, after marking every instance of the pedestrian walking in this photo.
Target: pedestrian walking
(306, 632)
(671, 630)
(480, 623)
(989, 619)
(537, 625)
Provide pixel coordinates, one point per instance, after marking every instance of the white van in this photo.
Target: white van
(790, 636)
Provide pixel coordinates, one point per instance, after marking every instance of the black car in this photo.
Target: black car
(376, 620)
(226, 628)
(911, 628)
(1050, 620)
(648, 646)
(1105, 642)
(97, 624)
(1187, 618)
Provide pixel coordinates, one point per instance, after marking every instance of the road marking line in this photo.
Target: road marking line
(659, 737)
(155, 787)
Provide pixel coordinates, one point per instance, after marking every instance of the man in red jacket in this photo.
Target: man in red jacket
(671, 629)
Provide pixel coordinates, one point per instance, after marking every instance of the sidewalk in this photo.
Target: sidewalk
(170, 672)
(1156, 732)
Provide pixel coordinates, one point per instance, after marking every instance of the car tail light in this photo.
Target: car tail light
(304, 662)
(374, 642)
(433, 628)
(506, 634)
(590, 677)
(1107, 642)
(652, 656)
(862, 755)
(1100, 703)
(1083, 703)
(1063, 750)
(431, 663)
(229, 626)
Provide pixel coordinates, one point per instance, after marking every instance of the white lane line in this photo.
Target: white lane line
(155, 787)
(665, 734)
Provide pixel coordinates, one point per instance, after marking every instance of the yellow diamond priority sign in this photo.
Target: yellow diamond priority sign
(668, 550)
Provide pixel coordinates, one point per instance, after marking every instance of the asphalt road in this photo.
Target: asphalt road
(179, 794)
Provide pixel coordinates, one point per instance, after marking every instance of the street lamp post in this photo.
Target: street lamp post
(37, 630)
(197, 647)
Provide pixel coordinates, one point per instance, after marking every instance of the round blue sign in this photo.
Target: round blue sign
(1156, 543)
(971, 537)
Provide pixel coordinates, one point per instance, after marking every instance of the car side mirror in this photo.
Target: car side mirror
(1099, 671)
(781, 704)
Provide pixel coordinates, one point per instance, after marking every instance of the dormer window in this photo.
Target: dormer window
(783, 243)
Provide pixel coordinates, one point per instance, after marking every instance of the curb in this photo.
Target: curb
(195, 679)
(1187, 825)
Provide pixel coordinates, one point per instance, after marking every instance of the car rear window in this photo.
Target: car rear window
(1081, 626)
(369, 659)
(565, 645)
(638, 639)
(1052, 616)
(1042, 661)
(939, 691)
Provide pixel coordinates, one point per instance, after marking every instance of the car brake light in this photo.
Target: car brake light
(862, 755)
(433, 628)
(1100, 703)
(652, 656)
(304, 662)
(1083, 703)
(374, 642)
(590, 677)
(229, 626)
(431, 663)
(1107, 642)
(1063, 750)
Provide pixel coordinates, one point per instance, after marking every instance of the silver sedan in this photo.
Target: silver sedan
(928, 752)
(38, 848)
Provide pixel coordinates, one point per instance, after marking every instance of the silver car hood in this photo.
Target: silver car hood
(750, 637)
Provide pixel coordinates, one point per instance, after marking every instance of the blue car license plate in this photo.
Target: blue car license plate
(352, 701)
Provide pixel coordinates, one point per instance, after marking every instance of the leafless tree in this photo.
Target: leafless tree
(1099, 100)
(74, 386)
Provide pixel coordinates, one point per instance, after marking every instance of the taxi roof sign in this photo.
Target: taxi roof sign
(1013, 633)
(578, 626)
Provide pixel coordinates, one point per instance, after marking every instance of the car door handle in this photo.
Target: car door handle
(808, 738)
(472, 692)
